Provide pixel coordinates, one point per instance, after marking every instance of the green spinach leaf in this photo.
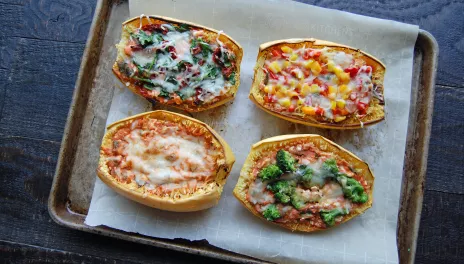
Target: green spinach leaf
(212, 72)
(143, 79)
(205, 49)
(172, 80)
(150, 66)
(182, 27)
(181, 95)
(232, 78)
(164, 93)
(143, 38)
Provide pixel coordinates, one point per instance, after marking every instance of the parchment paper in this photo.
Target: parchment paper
(369, 238)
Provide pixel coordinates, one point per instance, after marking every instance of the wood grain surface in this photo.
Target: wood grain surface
(41, 44)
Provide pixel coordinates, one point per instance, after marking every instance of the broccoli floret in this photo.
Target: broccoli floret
(282, 190)
(281, 186)
(282, 197)
(271, 213)
(306, 174)
(297, 200)
(285, 161)
(329, 216)
(330, 168)
(270, 172)
(352, 189)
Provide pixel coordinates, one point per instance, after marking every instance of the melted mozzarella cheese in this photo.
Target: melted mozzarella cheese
(165, 159)
(142, 57)
(167, 67)
(298, 83)
(343, 59)
(258, 194)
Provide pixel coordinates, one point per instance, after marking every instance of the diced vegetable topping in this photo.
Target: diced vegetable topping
(322, 83)
(175, 62)
(329, 216)
(305, 184)
(285, 161)
(271, 172)
(282, 190)
(271, 213)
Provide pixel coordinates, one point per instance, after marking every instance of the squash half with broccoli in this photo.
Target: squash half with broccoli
(304, 183)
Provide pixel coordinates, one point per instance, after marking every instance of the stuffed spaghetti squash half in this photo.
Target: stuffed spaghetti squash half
(319, 83)
(178, 63)
(165, 160)
(304, 183)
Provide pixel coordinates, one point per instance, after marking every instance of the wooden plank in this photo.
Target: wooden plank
(10, 27)
(3, 78)
(39, 91)
(14, 2)
(9, 22)
(443, 19)
(59, 20)
(7, 48)
(26, 172)
(22, 253)
(446, 159)
(441, 229)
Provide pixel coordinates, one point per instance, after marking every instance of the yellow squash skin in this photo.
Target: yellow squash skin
(209, 32)
(275, 143)
(202, 199)
(375, 111)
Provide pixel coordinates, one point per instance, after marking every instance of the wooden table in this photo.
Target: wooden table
(41, 48)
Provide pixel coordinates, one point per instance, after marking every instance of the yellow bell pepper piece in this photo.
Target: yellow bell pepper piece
(315, 88)
(281, 94)
(286, 49)
(269, 89)
(291, 93)
(275, 67)
(309, 110)
(332, 89)
(285, 102)
(343, 89)
(306, 89)
(293, 57)
(293, 83)
(333, 105)
(331, 66)
(343, 77)
(339, 118)
(286, 64)
(308, 64)
(316, 68)
(341, 103)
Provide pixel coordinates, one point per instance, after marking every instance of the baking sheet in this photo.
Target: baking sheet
(369, 238)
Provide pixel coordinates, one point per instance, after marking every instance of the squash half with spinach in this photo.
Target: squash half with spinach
(178, 63)
(304, 183)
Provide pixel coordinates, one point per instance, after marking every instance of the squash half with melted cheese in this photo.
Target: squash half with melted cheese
(319, 83)
(178, 63)
(165, 160)
(304, 183)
